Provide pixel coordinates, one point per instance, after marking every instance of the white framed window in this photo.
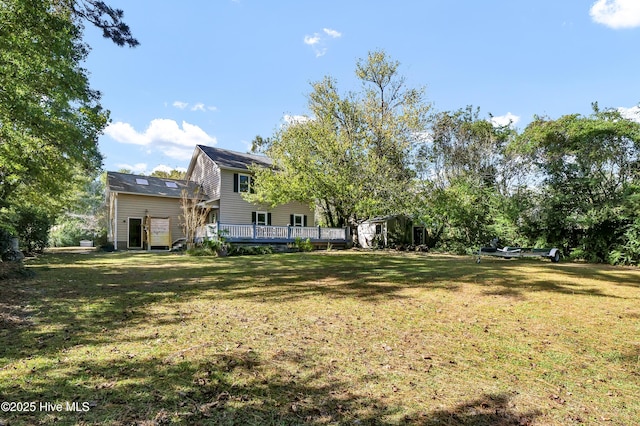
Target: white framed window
(298, 220)
(244, 183)
(261, 218)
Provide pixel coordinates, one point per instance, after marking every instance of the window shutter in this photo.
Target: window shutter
(305, 220)
(269, 219)
(235, 182)
(291, 220)
(253, 217)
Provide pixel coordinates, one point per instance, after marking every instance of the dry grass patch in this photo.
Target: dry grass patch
(322, 338)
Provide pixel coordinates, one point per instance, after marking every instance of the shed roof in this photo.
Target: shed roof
(378, 219)
(234, 160)
(148, 185)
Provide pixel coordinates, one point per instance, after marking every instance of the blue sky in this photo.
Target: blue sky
(220, 72)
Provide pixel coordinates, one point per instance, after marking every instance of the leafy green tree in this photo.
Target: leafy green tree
(103, 16)
(50, 118)
(172, 174)
(32, 225)
(353, 155)
(464, 145)
(84, 217)
(469, 178)
(590, 165)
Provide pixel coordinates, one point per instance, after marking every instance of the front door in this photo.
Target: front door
(135, 233)
(418, 235)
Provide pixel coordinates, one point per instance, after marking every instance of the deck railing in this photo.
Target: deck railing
(267, 233)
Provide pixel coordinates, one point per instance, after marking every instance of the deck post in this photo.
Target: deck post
(254, 230)
(319, 232)
(288, 232)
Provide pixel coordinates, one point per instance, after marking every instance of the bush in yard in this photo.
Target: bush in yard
(627, 253)
(250, 250)
(201, 251)
(71, 228)
(213, 247)
(32, 225)
(67, 234)
(302, 245)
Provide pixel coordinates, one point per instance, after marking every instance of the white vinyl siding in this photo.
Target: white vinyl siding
(234, 210)
(140, 206)
(206, 173)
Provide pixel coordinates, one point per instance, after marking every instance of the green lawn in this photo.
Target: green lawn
(320, 338)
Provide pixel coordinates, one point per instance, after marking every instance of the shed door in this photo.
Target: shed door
(135, 233)
(418, 235)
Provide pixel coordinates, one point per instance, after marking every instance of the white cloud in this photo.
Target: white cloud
(163, 135)
(616, 14)
(632, 113)
(125, 133)
(318, 41)
(138, 168)
(505, 120)
(320, 52)
(198, 107)
(312, 40)
(295, 119)
(332, 33)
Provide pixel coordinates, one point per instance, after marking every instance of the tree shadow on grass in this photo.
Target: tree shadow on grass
(79, 300)
(516, 278)
(487, 410)
(79, 296)
(230, 388)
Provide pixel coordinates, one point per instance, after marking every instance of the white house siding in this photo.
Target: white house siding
(139, 206)
(207, 173)
(235, 210)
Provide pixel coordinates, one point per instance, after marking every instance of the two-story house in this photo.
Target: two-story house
(224, 176)
(142, 209)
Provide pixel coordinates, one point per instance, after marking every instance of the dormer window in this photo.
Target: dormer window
(141, 181)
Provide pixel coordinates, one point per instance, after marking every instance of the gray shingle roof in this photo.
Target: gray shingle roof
(234, 160)
(124, 182)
